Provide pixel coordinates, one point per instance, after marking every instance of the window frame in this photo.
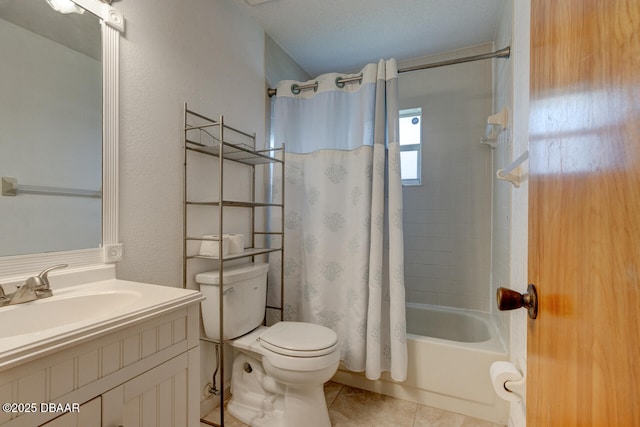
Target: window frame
(410, 112)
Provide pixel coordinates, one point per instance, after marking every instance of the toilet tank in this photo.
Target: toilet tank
(244, 300)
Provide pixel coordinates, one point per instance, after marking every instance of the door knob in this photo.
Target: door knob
(509, 299)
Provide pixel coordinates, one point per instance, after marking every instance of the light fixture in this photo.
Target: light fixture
(65, 6)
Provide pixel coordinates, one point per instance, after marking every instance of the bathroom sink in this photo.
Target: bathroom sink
(66, 309)
(76, 314)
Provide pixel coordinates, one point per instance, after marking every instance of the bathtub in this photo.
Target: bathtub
(449, 354)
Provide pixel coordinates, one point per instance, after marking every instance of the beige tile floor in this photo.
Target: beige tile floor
(353, 407)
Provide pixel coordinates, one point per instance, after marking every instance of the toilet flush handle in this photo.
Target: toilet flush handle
(509, 299)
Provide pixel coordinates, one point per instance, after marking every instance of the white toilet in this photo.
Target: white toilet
(279, 371)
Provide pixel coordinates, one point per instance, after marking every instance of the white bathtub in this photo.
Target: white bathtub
(449, 352)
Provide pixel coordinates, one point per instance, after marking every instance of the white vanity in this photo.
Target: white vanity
(106, 353)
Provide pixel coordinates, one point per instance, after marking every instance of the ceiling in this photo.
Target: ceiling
(344, 35)
(322, 35)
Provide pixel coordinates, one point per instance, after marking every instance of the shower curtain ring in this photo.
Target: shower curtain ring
(296, 88)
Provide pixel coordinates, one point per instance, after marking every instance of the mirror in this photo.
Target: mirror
(58, 135)
(51, 121)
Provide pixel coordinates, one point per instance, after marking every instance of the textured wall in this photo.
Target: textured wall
(520, 200)
(279, 65)
(502, 190)
(207, 53)
(511, 87)
(211, 55)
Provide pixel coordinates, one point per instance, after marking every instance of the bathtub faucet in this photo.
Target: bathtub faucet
(34, 288)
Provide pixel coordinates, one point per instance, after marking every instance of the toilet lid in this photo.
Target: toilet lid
(299, 339)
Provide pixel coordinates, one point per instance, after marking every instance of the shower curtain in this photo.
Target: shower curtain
(343, 249)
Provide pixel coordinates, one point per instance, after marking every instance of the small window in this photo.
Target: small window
(411, 146)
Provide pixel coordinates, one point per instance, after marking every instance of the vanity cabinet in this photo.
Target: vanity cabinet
(88, 415)
(143, 373)
(156, 398)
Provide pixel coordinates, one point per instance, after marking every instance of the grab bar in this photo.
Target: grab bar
(10, 187)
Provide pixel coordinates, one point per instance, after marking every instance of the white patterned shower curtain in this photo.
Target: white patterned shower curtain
(343, 257)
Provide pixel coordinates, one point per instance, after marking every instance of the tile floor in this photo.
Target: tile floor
(353, 407)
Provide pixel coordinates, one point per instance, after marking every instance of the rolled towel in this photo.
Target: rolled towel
(212, 247)
(236, 243)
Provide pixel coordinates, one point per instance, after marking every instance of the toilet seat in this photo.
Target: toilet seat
(299, 339)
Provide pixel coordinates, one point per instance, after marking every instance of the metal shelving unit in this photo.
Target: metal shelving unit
(212, 137)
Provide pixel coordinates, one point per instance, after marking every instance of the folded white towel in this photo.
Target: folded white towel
(212, 247)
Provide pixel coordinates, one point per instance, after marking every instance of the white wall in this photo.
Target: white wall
(279, 65)
(510, 239)
(520, 200)
(447, 220)
(50, 135)
(503, 153)
(209, 54)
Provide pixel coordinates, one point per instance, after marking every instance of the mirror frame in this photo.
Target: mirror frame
(15, 267)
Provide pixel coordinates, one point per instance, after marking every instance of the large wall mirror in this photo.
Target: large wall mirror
(58, 134)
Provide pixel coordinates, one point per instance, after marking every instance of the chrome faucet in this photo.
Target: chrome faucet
(34, 288)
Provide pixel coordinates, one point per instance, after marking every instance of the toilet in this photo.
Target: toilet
(279, 371)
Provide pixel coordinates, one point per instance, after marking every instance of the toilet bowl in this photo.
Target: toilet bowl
(279, 371)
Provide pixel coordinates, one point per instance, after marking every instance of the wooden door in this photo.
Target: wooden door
(584, 213)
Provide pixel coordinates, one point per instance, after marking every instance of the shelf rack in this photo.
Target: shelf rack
(212, 137)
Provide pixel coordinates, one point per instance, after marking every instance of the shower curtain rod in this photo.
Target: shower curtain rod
(502, 53)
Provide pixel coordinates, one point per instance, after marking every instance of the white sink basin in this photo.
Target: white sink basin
(79, 313)
(41, 315)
